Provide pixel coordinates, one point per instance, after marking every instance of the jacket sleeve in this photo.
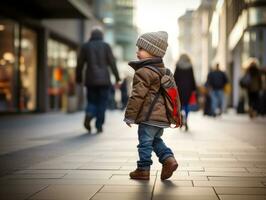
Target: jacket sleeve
(80, 65)
(225, 79)
(208, 81)
(112, 62)
(141, 85)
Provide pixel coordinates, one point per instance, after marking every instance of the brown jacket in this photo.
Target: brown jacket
(146, 84)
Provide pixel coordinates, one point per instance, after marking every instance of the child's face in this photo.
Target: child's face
(143, 54)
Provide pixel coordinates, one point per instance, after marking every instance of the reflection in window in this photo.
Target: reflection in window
(246, 46)
(7, 66)
(62, 62)
(27, 68)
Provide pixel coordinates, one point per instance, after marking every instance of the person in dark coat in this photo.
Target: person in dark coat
(216, 82)
(96, 56)
(185, 81)
(253, 86)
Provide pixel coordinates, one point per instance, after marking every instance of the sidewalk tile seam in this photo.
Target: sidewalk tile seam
(98, 191)
(44, 188)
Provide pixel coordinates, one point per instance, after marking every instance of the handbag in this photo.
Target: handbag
(193, 103)
(245, 81)
(192, 99)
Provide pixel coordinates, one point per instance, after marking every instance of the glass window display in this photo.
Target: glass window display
(18, 62)
(27, 68)
(61, 63)
(8, 51)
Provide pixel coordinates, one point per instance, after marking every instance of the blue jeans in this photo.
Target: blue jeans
(186, 109)
(97, 98)
(150, 139)
(217, 100)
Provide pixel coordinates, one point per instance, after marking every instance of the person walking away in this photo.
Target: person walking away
(146, 84)
(184, 78)
(252, 82)
(216, 82)
(96, 56)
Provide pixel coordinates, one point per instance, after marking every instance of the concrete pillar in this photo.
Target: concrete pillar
(42, 72)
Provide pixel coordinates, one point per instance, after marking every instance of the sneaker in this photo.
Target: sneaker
(169, 166)
(140, 174)
(87, 121)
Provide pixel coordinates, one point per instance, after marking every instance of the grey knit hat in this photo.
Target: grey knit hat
(154, 42)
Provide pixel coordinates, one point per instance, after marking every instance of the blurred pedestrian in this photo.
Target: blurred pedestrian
(184, 78)
(216, 82)
(124, 93)
(252, 82)
(146, 84)
(96, 56)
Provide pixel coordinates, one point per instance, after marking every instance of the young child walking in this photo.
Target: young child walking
(151, 123)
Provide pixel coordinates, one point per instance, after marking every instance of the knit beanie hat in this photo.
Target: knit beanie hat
(154, 42)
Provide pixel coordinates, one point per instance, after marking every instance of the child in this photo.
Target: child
(146, 83)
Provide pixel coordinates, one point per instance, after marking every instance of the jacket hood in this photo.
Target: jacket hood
(184, 62)
(158, 62)
(96, 35)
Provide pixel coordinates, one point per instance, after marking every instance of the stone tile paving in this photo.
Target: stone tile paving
(217, 161)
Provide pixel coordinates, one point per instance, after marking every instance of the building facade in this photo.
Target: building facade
(185, 24)
(239, 32)
(120, 29)
(236, 31)
(246, 37)
(194, 38)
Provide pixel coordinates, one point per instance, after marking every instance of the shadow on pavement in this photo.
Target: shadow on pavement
(24, 158)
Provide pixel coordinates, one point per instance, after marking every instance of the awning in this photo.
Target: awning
(46, 9)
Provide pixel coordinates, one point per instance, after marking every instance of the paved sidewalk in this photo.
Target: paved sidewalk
(50, 157)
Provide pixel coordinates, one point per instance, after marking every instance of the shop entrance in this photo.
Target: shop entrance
(18, 62)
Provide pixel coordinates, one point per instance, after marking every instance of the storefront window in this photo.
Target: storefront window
(246, 46)
(7, 66)
(17, 75)
(62, 62)
(27, 68)
(257, 44)
(257, 15)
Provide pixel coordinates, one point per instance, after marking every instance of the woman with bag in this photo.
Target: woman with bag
(185, 81)
(252, 82)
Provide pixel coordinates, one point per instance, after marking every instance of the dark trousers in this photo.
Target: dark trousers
(253, 100)
(97, 98)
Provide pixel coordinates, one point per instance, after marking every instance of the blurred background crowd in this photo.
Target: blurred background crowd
(224, 41)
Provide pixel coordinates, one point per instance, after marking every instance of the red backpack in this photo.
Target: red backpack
(169, 91)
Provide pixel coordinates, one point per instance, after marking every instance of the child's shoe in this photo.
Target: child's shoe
(140, 174)
(169, 166)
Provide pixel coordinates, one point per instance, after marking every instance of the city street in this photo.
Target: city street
(50, 156)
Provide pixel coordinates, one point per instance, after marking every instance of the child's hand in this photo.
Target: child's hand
(128, 124)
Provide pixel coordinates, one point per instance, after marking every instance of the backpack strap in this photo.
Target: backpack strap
(153, 104)
(155, 69)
